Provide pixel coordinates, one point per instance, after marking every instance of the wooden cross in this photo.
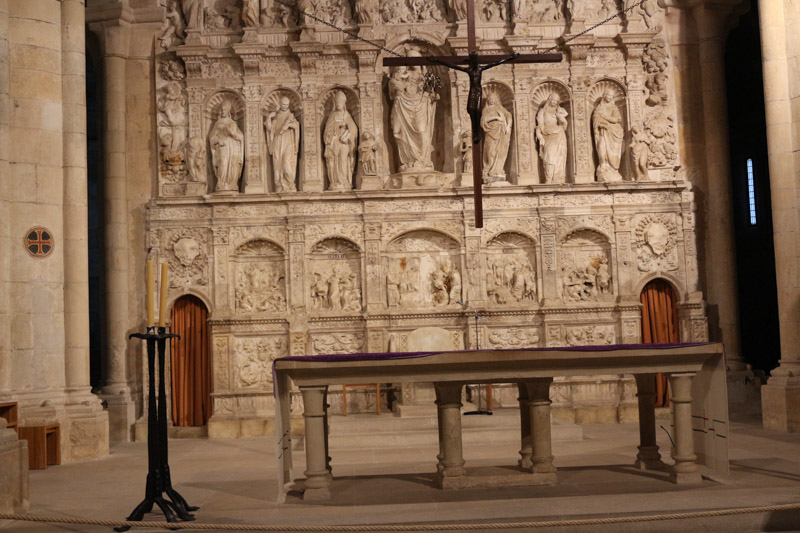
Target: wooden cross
(476, 65)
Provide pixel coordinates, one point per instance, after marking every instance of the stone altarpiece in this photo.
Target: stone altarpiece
(319, 203)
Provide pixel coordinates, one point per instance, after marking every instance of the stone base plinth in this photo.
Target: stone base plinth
(86, 434)
(780, 406)
(496, 476)
(14, 496)
(234, 428)
(419, 179)
(121, 417)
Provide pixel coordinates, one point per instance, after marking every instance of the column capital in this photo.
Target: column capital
(714, 18)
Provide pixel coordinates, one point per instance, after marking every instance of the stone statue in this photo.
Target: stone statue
(412, 117)
(172, 30)
(368, 154)
(520, 9)
(640, 151)
(171, 105)
(454, 281)
(465, 148)
(364, 11)
(196, 158)
(283, 141)
(340, 136)
(251, 13)
(441, 296)
(193, 13)
(608, 137)
(459, 8)
(227, 150)
(496, 123)
(551, 127)
(603, 276)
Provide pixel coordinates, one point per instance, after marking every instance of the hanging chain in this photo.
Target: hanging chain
(293, 7)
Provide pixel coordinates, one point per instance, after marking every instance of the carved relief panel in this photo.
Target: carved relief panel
(260, 281)
(511, 276)
(187, 253)
(334, 283)
(585, 267)
(331, 343)
(252, 360)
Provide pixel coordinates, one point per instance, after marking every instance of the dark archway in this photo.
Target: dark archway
(190, 362)
(752, 216)
(660, 324)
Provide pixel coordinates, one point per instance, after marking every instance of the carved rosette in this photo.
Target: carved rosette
(656, 243)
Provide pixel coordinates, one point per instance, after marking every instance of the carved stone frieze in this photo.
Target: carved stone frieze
(513, 337)
(253, 358)
(331, 343)
(590, 335)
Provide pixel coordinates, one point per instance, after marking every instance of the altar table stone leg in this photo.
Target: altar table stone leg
(440, 456)
(318, 477)
(452, 474)
(327, 420)
(541, 442)
(684, 471)
(525, 451)
(648, 457)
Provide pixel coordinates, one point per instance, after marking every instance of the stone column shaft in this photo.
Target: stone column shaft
(318, 476)
(526, 450)
(648, 457)
(541, 439)
(721, 281)
(76, 244)
(781, 395)
(451, 473)
(684, 470)
(5, 239)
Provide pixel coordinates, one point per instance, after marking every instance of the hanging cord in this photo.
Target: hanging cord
(587, 30)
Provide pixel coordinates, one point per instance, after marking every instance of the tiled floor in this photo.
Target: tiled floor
(233, 481)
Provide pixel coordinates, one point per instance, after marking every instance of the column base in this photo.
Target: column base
(313, 495)
(121, 416)
(86, 435)
(649, 458)
(780, 404)
(685, 478)
(14, 495)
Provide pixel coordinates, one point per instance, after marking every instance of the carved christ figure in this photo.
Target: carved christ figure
(496, 124)
(608, 137)
(551, 126)
(340, 137)
(250, 13)
(283, 141)
(227, 150)
(412, 116)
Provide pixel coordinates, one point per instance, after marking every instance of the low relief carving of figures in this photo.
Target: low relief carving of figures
(340, 136)
(368, 154)
(651, 14)
(171, 106)
(496, 123)
(254, 359)
(445, 284)
(227, 150)
(173, 167)
(338, 291)
(230, 17)
(172, 29)
(259, 288)
(283, 143)
(513, 338)
(608, 8)
(196, 158)
(465, 149)
(551, 128)
(193, 13)
(640, 152)
(365, 10)
(459, 9)
(547, 11)
(590, 335)
(412, 116)
(587, 281)
(510, 279)
(401, 286)
(495, 10)
(251, 13)
(608, 137)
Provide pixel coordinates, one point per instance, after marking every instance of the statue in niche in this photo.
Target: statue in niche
(589, 282)
(172, 112)
(445, 284)
(283, 141)
(401, 287)
(608, 137)
(172, 30)
(603, 277)
(510, 279)
(520, 9)
(547, 11)
(173, 167)
(465, 148)
(551, 133)
(459, 8)
(651, 14)
(193, 13)
(413, 116)
(496, 123)
(227, 150)
(340, 137)
(393, 287)
(608, 8)
(250, 13)
(495, 10)
(576, 9)
(319, 292)
(368, 154)
(196, 158)
(364, 11)
(260, 288)
(640, 151)
(454, 280)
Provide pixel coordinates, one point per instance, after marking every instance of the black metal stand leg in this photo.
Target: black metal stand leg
(158, 475)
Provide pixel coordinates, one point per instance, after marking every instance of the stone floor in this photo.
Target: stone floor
(233, 481)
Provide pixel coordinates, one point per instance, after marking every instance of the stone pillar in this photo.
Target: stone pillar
(296, 258)
(547, 234)
(525, 451)
(5, 214)
(373, 281)
(581, 138)
(541, 441)
(721, 281)
(780, 397)
(527, 156)
(684, 471)
(14, 490)
(648, 457)
(309, 53)
(318, 476)
(452, 474)
(115, 36)
(254, 182)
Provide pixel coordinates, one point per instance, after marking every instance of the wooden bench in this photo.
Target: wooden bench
(44, 445)
(10, 412)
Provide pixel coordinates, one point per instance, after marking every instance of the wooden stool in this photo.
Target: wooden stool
(370, 385)
(9, 411)
(44, 445)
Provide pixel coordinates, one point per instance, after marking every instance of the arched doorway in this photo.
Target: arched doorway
(191, 362)
(659, 324)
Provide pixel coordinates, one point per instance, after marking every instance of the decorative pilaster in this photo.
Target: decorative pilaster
(374, 278)
(254, 182)
(370, 106)
(527, 159)
(547, 234)
(296, 267)
(221, 282)
(624, 265)
(580, 82)
(309, 53)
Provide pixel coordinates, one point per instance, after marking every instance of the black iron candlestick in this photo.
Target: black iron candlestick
(158, 476)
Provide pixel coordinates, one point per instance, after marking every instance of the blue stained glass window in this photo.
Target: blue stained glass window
(751, 192)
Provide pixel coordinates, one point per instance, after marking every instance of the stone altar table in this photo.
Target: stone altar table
(696, 373)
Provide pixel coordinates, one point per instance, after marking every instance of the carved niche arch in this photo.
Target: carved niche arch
(423, 270)
(259, 277)
(211, 112)
(269, 103)
(585, 267)
(671, 279)
(334, 283)
(442, 154)
(324, 107)
(539, 97)
(594, 95)
(506, 96)
(512, 277)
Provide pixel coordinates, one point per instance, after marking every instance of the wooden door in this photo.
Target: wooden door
(659, 325)
(191, 363)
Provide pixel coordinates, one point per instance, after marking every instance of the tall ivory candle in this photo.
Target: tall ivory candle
(162, 304)
(150, 295)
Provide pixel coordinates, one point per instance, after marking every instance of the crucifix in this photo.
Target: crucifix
(476, 65)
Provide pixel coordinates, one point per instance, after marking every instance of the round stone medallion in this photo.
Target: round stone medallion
(39, 242)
